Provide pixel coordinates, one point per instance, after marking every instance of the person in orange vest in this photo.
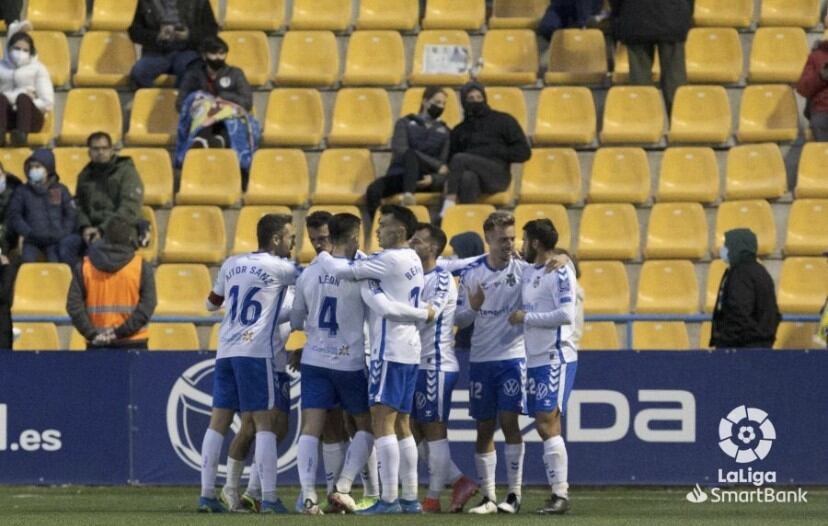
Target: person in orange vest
(112, 295)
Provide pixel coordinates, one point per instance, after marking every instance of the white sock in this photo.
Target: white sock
(556, 461)
(448, 203)
(438, 461)
(370, 476)
(307, 463)
(388, 461)
(422, 452)
(361, 446)
(254, 483)
(234, 473)
(453, 473)
(210, 452)
(408, 468)
(486, 464)
(266, 460)
(333, 456)
(514, 466)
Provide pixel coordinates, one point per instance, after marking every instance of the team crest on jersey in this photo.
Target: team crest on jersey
(511, 280)
(536, 281)
(345, 350)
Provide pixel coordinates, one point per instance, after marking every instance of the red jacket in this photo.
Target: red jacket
(810, 85)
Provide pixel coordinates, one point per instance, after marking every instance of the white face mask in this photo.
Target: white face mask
(20, 57)
(37, 175)
(724, 254)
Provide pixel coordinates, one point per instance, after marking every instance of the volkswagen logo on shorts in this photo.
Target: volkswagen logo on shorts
(543, 391)
(746, 434)
(511, 387)
(421, 400)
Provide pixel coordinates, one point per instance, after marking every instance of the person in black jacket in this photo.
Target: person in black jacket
(8, 264)
(746, 314)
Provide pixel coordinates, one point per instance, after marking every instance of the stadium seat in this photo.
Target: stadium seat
(715, 271)
(505, 198)
(195, 234)
(278, 177)
(803, 285)
(413, 98)
(40, 289)
(450, 71)
(68, 163)
(153, 120)
(210, 177)
(88, 110)
(254, 15)
(667, 287)
(777, 54)
(730, 13)
(807, 228)
(295, 117)
(361, 116)
(599, 336)
(714, 55)
(755, 215)
(150, 252)
(517, 14)
(307, 253)
(555, 213)
(565, 115)
(677, 230)
(577, 56)
(551, 175)
(308, 58)
(797, 335)
(76, 341)
(342, 176)
(13, 159)
(155, 168)
(705, 328)
(68, 16)
(812, 178)
(688, 174)
(245, 238)
(510, 57)
(619, 175)
(420, 212)
(768, 113)
(173, 337)
(397, 15)
(454, 14)
(331, 15)
(37, 337)
(53, 52)
(509, 100)
(621, 73)
(755, 171)
(660, 335)
(182, 289)
(701, 115)
(606, 287)
(464, 218)
(214, 337)
(249, 51)
(633, 114)
(609, 231)
(45, 135)
(112, 15)
(802, 13)
(296, 341)
(375, 58)
(105, 59)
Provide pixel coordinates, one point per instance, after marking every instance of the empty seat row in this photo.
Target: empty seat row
(739, 13)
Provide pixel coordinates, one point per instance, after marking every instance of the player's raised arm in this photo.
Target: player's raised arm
(377, 301)
(468, 303)
(564, 294)
(299, 310)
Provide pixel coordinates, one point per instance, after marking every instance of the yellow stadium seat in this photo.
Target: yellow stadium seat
(413, 98)
(342, 176)
(88, 110)
(249, 51)
(807, 228)
(755, 171)
(41, 289)
(182, 289)
(13, 159)
(69, 162)
(802, 13)
(454, 14)
(295, 117)
(715, 271)
(500, 199)
(768, 113)
(399, 15)
(667, 287)
(730, 13)
(565, 115)
(688, 174)
(254, 15)
(150, 252)
(420, 211)
(633, 114)
(609, 231)
(677, 230)
(332, 15)
(621, 73)
(464, 218)
(112, 15)
(46, 133)
(619, 175)
(555, 213)
(599, 336)
(606, 287)
(153, 120)
(453, 72)
(714, 54)
(307, 252)
(77, 342)
(308, 58)
(508, 14)
(701, 114)
(375, 58)
(195, 234)
(510, 56)
(53, 52)
(777, 54)
(68, 16)
(105, 59)
(511, 101)
(803, 285)
(210, 177)
(37, 337)
(155, 168)
(214, 337)
(173, 337)
(577, 56)
(705, 329)
(361, 116)
(296, 341)
(755, 215)
(660, 335)
(245, 238)
(812, 178)
(278, 177)
(797, 335)
(551, 175)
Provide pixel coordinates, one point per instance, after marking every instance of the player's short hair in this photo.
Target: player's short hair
(318, 219)
(438, 237)
(543, 230)
(270, 225)
(498, 218)
(341, 226)
(402, 214)
(119, 232)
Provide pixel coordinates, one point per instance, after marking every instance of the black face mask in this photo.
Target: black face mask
(215, 63)
(475, 109)
(434, 111)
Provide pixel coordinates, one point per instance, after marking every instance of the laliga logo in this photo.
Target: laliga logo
(746, 434)
(188, 402)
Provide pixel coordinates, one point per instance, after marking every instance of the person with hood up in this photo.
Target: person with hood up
(813, 85)
(112, 295)
(746, 314)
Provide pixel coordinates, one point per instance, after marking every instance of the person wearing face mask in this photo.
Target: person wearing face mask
(420, 149)
(746, 314)
(25, 86)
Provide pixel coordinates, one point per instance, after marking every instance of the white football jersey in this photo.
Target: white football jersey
(280, 359)
(437, 337)
(549, 303)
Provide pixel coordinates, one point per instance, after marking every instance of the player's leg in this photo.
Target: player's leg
(483, 409)
(334, 446)
(548, 424)
(225, 404)
(511, 394)
(409, 477)
(318, 398)
(236, 457)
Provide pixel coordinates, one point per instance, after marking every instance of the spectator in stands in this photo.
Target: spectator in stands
(10, 11)
(112, 295)
(643, 26)
(813, 85)
(26, 87)
(169, 32)
(482, 148)
(562, 14)
(8, 265)
(43, 213)
(746, 314)
(8, 184)
(420, 150)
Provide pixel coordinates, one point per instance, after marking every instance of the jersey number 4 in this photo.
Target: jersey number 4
(250, 308)
(327, 316)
